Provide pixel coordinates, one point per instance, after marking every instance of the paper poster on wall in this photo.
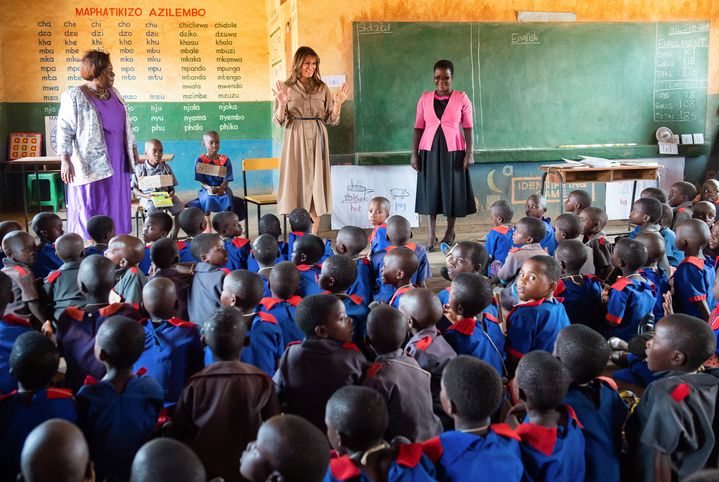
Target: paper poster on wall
(354, 186)
(51, 135)
(619, 194)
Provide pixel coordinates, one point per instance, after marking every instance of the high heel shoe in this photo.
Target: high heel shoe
(432, 246)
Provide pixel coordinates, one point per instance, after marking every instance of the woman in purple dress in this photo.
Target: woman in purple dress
(98, 148)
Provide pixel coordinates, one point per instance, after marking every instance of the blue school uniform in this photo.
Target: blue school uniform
(553, 454)
(630, 300)
(116, 424)
(490, 316)
(549, 242)
(18, 419)
(284, 313)
(173, 353)
(292, 237)
(469, 336)
(638, 372)
(362, 285)
(183, 248)
(658, 277)
(580, 295)
(46, 260)
(602, 413)
(673, 254)
(356, 309)
(238, 250)
(385, 292)
(397, 296)
(534, 325)
(378, 239)
(213, 203)
(146, 262)
(460, 456)
(498, 244)
(411, 465)
(693, 281)
(714, 324)
(253, 265)
(94, 249)
(266, 346)
(10, 328)
(309, 276)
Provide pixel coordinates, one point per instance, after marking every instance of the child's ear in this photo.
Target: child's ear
(204, 343)
(102, 355)
(460, 309)
(275, 476)
(522, 395)
(678, 358)
(176, 260)
(321, 331)
(303, 258)
(331, 281)
(563, 265)
(400, 274)
(83, 288)
(553, 286)
(124, 262)
(530, 240)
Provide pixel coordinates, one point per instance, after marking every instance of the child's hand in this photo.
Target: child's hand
(450, 315)
(667, 304)
(47, 329)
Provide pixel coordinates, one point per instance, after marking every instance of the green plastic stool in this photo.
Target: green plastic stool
(55, 191)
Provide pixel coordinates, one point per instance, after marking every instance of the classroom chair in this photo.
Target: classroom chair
(52, 195)
(259, 200)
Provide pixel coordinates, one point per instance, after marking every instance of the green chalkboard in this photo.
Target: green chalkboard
(535, 85)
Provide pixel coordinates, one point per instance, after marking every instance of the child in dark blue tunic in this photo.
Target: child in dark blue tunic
(351, 241)
(56, 451)
(300, 225)
(60, 286)
(476, 449)
(585, 353)
(536, 207)
(593, 222)
(209, 274)
(165, 257)
(265, 255)
(499, 238)
(157, 225)
(118, 413)
(378, 212)
(552, 440)
(33, 361)
(398, 268)
(654, 273)
(193, 223)
(20, 252)
(569, 226)
(269, 224)
(581, 295)
(48, 227)
(357, 419)
(167, 459)
(694, 277)
(10, 328)
(215, 195)
(228, 226)
(307, 253)
(284, 280)
(101, 229)
(674, 255)
(126, 252)
(7, 227)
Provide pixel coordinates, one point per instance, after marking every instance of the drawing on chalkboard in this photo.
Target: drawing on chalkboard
(398, 194)
(356, 193)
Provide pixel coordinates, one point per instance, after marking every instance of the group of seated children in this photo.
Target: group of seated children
(179, 358)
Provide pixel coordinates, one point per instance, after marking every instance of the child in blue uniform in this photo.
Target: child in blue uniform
(193, 222)
(499, 238)
(553, 444)
(535, 322)
(243, 290)
(48, 227)
(228, 226)
(469, 332)
(20, 252)
(475, 449)
(645, 215)
(165, 257)
(284, 281)
(307, 253)
(377, 213)
(694, 277)
(215, 195)
(593, 222)
(652, 272)
(681, 196)
(173, 350)
(33, 362)
(580, 295)
(60, 288)
(631, 299)
(536, 207)
(351, 241)
(300, 225)
(585, 353)
(269, 224)
(56, 451)
(356, 420)
(167, 459)
(7, 227)
(158, 225)
(398, 269)
(569, 226)
(209, 274)
(288, 447)
(264, 254)
(674, 255)
(101, 229)
(118, 413)
(10, 328)
(126, 252)
(577, 201)
(704, 211)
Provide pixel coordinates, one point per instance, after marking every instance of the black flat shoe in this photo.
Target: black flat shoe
(431, 246)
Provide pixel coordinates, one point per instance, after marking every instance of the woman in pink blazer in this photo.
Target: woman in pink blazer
(442, 154)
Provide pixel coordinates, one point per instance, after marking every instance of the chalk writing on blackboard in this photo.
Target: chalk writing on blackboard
(527, 38)
(373, 27)
(356, 195)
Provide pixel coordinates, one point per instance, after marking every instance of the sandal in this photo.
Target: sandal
(431, 246)
(449, 242)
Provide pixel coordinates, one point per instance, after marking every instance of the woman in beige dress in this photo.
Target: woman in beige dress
(303, 104)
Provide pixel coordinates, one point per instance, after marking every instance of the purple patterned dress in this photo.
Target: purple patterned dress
(110, 196)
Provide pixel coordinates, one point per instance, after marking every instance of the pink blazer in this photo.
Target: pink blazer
(457, 116)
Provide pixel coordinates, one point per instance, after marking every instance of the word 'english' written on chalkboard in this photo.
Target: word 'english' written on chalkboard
(527, 38)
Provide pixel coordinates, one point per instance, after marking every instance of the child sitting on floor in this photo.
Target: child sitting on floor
(680, 199)
(10, 328)
(165, 257)
(269, 224)
(378, 212)
(351, 241)
(157, 225)
(126, 252)
(399, 266)
(101, 229)
(265, 255)
(284, 282)
(192, 221)
(569, 226)
(60, 288)
(209, 274)
(705, 211)
(20, 252)
(48, 227)
(694, 277)
(536, 207)
(300, 225)
(577, 201)
(580, 294)
(308, 252)
(593, 222)
(228, 226)
(499, 238)
(652, 272)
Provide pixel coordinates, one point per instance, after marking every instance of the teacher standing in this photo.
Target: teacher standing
(303, 104)
(442, 154)
(98, 149)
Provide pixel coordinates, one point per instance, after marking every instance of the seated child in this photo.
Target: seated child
(101, 229)
(399, 266)
(337, 275)
(468, 334)
(243, 290)
(126, 252)
(165, 256)
(671, 432)
(154, 165)
(427, 345)
(630, 300)
(20, 252)
(265, 254)
(378, 212)
(399, 379)
(569, 226)
(173, 350)
(288, 448)
(164, 460)
(645, 215)
(577, 201)
(307, 253)
(228, 226)
(357, 420)
(118, 413)
(192, 221)
(206, 285)
(476, 449)
(301, 224)
(284, 281)
(580, 294)
(652, 272)
(705, 211)
(60, 288)
(584, 354)
(351, 241)
(10, 328)
(593, 222)
(33, 363)
(56, 451)
(654, 192)
(215, 195)
(711, 251)
(710, 191)
(223, 406)
(674, 255)
(694, 277)
(326, 360)
(499, 238)
(680, 199)
(553, 445)
(269, 224)
(47, 227)
(5, 228)
(536, 207)
(76, 327)
(157, 225)
(535, 322)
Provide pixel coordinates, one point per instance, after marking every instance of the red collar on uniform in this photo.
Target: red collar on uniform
(343, 468)
(693, 260)
(304, 267)
(53, 276)
(713, 319)
(58, 393)
(400, 292)
(270, 302)
(220, 161)
(621, 283)
(541, 438)
(501, 229)
(239, 242)
(110, 310)
(561, 288)
(21, 271)
(527, 304)
(350, 346)
(266, 317)
(374, 369)
(11, 319)
(298, 233)
(181, 245)
(424, 343)
(409, 455)
(490, 317)
(181, 323)
(412, 246)
(505, 431)
(433, 449)
(464, 326)
(374, 232)
(680, 392)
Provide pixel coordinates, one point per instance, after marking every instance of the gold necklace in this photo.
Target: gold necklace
(104, 96)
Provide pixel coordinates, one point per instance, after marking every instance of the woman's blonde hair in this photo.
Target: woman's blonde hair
(315, 82)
